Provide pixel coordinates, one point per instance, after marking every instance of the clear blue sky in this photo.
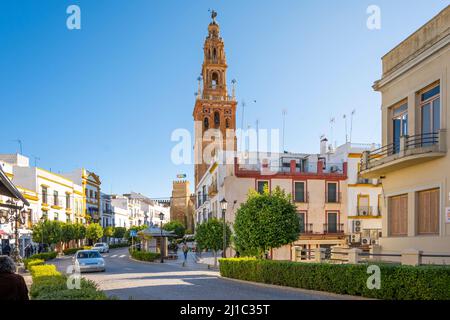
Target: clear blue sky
(107, 97)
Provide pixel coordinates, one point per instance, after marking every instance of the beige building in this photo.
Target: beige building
(413, 165)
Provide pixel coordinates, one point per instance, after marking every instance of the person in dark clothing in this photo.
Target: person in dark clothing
(12, 285)
(7, 250)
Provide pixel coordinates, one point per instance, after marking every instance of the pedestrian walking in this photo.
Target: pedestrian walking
(12, 285)
(185, 249)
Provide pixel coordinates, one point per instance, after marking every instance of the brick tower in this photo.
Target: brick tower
(214, 108)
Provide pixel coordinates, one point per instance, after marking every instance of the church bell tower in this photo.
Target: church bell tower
(214, 107)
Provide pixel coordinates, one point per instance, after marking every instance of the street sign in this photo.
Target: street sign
(133, 233)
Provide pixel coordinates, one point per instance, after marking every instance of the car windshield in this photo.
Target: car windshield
(98, 245)
(88, 255)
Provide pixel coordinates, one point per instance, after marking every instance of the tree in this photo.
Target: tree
(209, 235)
(94, 231)
(67, 232)
(41, 232)
(108, 232)
(265, 221)
(119, 232)
(177, 227)
(79, 232)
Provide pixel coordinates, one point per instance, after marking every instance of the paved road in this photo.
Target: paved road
(128, 279)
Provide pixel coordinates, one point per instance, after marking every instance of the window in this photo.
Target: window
(302, 221)
(216, 120)
(227, 123)
(428, 212)
(68, 218)
(363, 205)
(67, 200)
(91, 194)
(44, 214)
(55, 198)
(299, 192)
(332, 192)
(430, 114)
(44, 195)
(204, 193)
(56, 216)
(332, 222)
(215, 80)
(262, 185)
(398, 216)
(399, 125)
(206, 124)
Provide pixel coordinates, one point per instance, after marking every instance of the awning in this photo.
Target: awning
(7, 188)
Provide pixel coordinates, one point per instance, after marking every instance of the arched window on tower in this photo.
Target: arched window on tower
(227, 123)
(216, 120)
(206, 124)
(215, 55)
(214, 80)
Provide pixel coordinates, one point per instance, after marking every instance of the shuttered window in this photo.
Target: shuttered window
(428, 212)
(398, 216)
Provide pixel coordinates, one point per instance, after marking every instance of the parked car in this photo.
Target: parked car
(88, 260)
(102, 247)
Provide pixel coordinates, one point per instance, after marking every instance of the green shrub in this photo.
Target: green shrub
(32, 262)
(397, 282)
(44, 256)
(144, 256)
(49, 284)
(44, 271)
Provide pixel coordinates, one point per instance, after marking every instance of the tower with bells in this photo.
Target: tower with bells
(214, 107)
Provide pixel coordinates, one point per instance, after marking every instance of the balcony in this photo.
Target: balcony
(333, 228)
(410, 151)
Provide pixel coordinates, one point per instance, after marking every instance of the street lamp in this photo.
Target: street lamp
(161, 217)
(223, 206)
(15, 215)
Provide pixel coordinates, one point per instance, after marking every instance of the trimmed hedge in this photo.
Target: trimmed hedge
(144, 256)
(49, 284)
(44, 256)
(32, 262)
(397, 282)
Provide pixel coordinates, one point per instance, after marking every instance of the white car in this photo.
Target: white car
(101, 247)
(88, 260)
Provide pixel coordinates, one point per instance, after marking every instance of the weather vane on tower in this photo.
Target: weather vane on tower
(213, 15)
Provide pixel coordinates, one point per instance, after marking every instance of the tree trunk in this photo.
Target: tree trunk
(215, 258)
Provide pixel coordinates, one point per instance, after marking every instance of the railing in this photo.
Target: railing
(422, 140)
(333, 228)
(364, 181)
(334, 197)
(306, 228)
(403, 145)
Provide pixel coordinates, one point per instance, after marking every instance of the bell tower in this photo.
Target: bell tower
(214, 107)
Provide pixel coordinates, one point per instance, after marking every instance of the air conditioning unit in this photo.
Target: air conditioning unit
(356, 226)
(373, 241)
(355, 238)
(365, 241)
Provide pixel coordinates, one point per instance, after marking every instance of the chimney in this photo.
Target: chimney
(323, 145)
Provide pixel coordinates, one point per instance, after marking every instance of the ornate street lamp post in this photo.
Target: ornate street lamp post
(16, 215)
(223, 206)
(161, 217)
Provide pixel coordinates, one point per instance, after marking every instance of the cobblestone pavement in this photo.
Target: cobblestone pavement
(128, 279)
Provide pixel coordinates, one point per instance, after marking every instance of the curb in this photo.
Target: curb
(306, 291)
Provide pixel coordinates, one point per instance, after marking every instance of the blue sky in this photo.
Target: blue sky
(107, 97)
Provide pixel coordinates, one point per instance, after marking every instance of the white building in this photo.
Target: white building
(90, 183)
(363, 195)
(51, 196)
